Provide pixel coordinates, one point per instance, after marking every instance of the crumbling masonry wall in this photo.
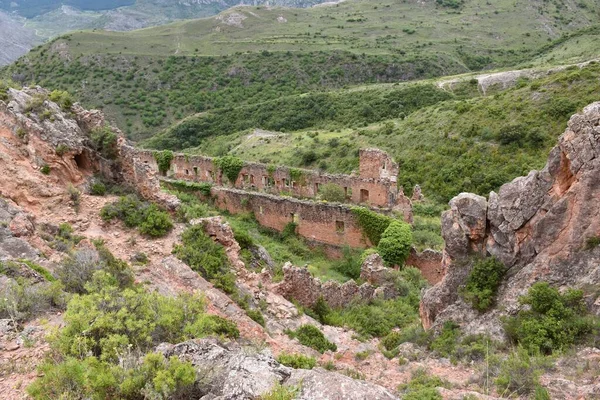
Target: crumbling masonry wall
(375, 186)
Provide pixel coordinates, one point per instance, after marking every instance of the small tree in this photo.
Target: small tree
(394, 246)
(332, 193)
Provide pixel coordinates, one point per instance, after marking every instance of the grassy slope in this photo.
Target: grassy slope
(147, 80)
(449, 147)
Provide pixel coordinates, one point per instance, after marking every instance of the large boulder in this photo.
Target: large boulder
(232, 372)
(536, 225)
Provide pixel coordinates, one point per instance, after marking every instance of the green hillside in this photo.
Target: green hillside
(147, 80)
(447, 140)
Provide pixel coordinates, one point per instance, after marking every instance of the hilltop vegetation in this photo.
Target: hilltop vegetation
(148, 79)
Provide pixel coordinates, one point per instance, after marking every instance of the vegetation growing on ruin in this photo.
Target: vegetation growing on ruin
(230, 166)
(188, 186)
(332, 192)
(163, 160)
(395, 243)
(372, 224)
(104, 141)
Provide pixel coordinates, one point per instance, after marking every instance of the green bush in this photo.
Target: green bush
(133, 212)
(203, 255)
(62, 98)
(298, 361)
(422, 386)
(349, 265)
(280, 392)
(290, 230)
(108, 320)
(372, 224)
(482, 283)
(395, 244)
(592, 242)
(230, 166)
(519, 373)
(445, 343)
(256, 316)
(98, 189)
(553, 321)
(163, 160)
(45, 169)
(332, 193)
(154, 377)
(243, 238)
(156, 223)
(104, 141)
(311, 336)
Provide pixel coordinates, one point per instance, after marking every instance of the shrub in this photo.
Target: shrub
(298, 361)
(256, 316)
(62, 98)
(156, 223)
(332, 193)
(154, 377)
(62, 149)
(482, 283)
(45, 169)
(372, 224)
(98, 189)
(554, 321)
(349, 265)
(311, 336)
(519, 373)
(104, 141)
(75, 196)
(280, 392)
(289, 230)
(107, 321)
(163, 160)
(592, 242)
(394, 246)
(422, 386)
(203, 255)
(79, 268)
(230, 166)
(392, 340)
(150, 220)
(20, 299)
(445, 343)
(243, 238)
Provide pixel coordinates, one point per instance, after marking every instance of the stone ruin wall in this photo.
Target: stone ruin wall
(375, 186)
(331, 224)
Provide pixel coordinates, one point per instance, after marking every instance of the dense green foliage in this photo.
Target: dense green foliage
(150, 219)
(372, 224)
(90, 378)
(298, 361)
(482, 283)
(104, 141)
(395, 243)
(203, 255)
(553, 322)
(520, 374)
(230, 166)
(163, 160)
(188, 186)
(311, 336)
(62, 98)
(332, 193)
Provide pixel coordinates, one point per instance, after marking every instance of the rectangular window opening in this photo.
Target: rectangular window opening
(340, 226)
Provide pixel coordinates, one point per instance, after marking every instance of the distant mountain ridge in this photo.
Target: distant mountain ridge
(26, 23)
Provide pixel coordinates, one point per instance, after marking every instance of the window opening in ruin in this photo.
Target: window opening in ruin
(384, 166)
(346, 191)
(364, 195)
(294, 184)
(260, 210)
(316, 188)
(252, 179)
(196, 171)
(339, 226)
(187, 171)
(245, 178)
(295, 218)
(286, 183)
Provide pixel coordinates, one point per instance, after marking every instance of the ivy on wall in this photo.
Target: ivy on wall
(163, 159)
(230, 166)
(372, 224)
(297, 175)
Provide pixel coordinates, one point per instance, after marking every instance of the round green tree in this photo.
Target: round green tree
(394, 246)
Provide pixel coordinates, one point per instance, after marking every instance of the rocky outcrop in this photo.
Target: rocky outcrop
(299, 285)
(230, 371)
(536, 225)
